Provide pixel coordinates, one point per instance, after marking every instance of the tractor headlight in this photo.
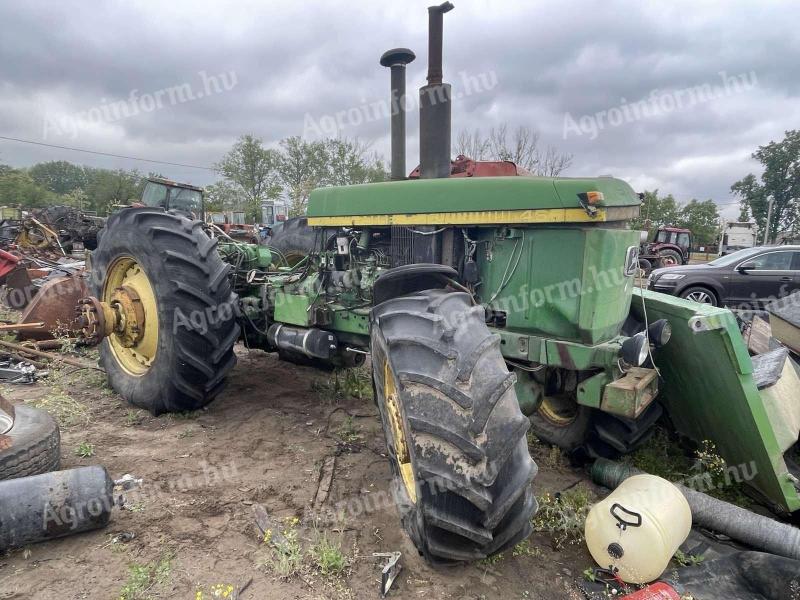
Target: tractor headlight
(635, 350)
(659, 332)
(672, 276)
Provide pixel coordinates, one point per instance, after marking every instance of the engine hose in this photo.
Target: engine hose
(737, 523)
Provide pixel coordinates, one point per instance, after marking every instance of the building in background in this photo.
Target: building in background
(736, 235)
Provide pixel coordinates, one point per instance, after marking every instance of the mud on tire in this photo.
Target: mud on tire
(467, 443)
(188, 278)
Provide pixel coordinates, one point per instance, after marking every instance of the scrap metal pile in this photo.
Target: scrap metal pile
(42, 267)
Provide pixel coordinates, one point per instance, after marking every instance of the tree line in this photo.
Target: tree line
(251, 173)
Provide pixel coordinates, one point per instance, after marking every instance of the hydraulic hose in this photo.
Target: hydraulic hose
(737, 523)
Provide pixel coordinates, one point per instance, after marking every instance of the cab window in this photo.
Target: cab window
(155, 194)
(185, 200)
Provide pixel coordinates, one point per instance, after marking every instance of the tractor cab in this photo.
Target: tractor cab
(171, 195)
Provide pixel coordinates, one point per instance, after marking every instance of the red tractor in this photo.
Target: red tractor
(671, 246)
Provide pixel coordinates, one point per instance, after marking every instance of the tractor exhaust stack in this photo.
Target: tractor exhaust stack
(435, 104)
(396, 60)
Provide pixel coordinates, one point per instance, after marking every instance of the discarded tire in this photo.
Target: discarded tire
(453, 426)
(294, 239)
(53, 505)
(31, 446)
(195, 329)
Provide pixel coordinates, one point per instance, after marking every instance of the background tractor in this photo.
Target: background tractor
(670, 246)
(488, 305)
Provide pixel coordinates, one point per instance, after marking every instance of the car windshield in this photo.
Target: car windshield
(729, 259)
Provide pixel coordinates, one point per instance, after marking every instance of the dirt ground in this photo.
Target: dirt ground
(269, 439)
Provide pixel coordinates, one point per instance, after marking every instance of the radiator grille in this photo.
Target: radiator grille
(402, 247)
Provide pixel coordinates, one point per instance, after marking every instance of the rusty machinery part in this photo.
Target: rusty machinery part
(95, 318)
(30, 442)
(166, 303)
(454, 429)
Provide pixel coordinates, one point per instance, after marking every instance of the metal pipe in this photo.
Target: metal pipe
(435, 104)
(396, 60)
(435, 41)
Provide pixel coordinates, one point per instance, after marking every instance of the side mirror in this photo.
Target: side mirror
(745, 267)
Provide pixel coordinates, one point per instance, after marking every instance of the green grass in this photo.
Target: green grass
(64, 408)
(142, 579)
(85, 450)
(346, 383)
(328, 557)
(702, 469)
(349, 431)
(687, 560)
(134, 417)
(287, 555)
(563, 516)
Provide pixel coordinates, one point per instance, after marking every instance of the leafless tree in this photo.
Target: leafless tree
(521, 147)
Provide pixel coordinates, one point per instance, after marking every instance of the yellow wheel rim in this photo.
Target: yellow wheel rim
(559, 411)
(134, 340)
(402, 453)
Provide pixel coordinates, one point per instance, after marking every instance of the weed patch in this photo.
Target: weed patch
(563, 516)
(143, 579)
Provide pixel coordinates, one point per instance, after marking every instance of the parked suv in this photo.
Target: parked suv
(747, 279)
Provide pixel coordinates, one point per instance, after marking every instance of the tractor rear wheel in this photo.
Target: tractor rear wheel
(454, 430)
(174, 347)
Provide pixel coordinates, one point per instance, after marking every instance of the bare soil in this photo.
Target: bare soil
(263, 441)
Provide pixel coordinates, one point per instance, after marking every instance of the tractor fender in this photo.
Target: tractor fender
(411, 278)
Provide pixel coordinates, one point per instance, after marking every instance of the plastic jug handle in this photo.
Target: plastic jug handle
(619, 512)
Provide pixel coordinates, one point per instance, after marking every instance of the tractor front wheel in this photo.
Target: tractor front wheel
(163, 301)
(454, 429)
(669, 258)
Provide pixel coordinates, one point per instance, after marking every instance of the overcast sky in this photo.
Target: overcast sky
(632, 89)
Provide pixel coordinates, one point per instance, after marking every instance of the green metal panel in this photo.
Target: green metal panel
(710, 394)
(292, 308)
(558, 282)
(460, 194)
(351, 321)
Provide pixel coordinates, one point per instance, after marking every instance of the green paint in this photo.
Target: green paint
(566, 283)
(710, 394)
(292, 308)
(590, 391)
(351, 321)
(465, 194)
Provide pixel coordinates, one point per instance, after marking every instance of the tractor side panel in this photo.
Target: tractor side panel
(710, 393)
(567, 283)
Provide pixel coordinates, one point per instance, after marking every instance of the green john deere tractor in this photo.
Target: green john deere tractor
(489, 303)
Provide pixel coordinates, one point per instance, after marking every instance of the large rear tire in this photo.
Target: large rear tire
(294, 239)
(192, 325)
(454, 429)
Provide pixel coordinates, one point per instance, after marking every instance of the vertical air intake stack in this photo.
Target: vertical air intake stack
(434, 104)
(397, 59)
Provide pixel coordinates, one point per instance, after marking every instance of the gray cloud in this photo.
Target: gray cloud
(296, 59)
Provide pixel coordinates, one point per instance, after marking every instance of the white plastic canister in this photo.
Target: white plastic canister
(637, 528)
